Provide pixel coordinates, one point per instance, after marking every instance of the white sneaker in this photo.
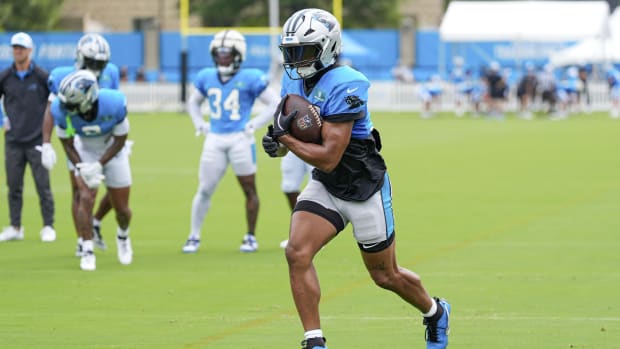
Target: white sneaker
(87, 262)
(48, 234)
(191, 245)
(249, 243)
(123, 249)
(284, 243)
(10, 233)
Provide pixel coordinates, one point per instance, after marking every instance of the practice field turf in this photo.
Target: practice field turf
(516, 223)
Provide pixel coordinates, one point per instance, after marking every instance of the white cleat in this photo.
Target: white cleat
(10, 233)
(284, 243)
(88, 261)
(48, 234)
(124, 250)
(191, 246)
(249, 243)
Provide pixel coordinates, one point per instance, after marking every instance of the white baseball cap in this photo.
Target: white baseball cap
(21, 39)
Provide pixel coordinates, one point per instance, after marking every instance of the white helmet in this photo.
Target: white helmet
(228, 51)
(311, 41)
(92, 53)
(78, 92)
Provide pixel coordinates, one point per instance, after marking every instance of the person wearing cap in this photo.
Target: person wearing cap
(23, 86)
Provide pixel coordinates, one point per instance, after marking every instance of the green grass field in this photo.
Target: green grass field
(517, 223)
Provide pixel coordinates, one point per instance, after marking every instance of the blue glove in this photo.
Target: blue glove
(281, 121)
(271, 146)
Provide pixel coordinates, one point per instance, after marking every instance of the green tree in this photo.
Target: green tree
(356, 13)
(29, 15)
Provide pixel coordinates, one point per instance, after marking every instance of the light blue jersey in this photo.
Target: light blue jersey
(230, 102)
(340, 93)
(109, 77)
(112, 110)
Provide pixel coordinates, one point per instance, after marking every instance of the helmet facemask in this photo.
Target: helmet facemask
(227, 60)
(93, 53)
(228, 49)
(78, 94)
(310, 42)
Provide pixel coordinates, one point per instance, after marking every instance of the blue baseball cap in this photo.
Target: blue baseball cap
(21, 39)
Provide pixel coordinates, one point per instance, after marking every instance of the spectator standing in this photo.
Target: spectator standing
(461, 86)
(613, 79)
(24, 88)
(584, 93)
(496, 88)
(547, 88)
(526, 91)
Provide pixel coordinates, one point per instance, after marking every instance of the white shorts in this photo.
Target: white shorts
(372, 220)
(117, 171)
(237, 149)
(294, 172)
(615, 93)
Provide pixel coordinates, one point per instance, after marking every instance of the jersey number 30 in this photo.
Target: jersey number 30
(230, 105)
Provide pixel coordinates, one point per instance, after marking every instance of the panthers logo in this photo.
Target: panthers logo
(353, 101)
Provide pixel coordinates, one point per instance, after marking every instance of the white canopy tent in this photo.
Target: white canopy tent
(528, 21)
(592, 50)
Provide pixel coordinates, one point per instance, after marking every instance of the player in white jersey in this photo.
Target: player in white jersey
(99, 118)
(230, 92)
(349, 184)
(294, 173)
(92, 53)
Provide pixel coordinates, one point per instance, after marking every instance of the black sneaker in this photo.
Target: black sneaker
(98, 238)
(314, 343)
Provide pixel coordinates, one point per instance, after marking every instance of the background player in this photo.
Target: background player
(93, 54)
(294, 172)
(231, 92)
(99, 118)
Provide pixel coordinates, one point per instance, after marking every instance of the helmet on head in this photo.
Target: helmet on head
(92, 53)
(311, 41)
(228, 51)
(78, 92)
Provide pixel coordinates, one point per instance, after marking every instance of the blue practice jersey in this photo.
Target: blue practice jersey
(230, 102)
(340, 91)
(112, 110)
(613, 77)
(109, 77)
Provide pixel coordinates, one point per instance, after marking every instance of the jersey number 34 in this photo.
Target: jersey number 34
(229, 108)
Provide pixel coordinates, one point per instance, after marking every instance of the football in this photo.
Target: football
(306, 126)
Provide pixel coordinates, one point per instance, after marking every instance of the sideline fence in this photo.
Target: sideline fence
(383, 96)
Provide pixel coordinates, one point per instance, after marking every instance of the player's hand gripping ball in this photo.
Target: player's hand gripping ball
(306, 124)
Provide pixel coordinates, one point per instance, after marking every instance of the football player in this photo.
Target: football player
(93, 54)
(294, 172)
(230, 92)
(349, 183)
(92, 126)
(613, 79)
